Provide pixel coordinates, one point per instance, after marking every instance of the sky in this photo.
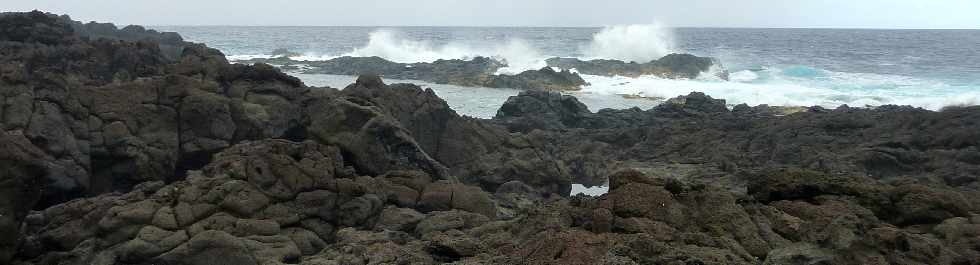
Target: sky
(570, 13)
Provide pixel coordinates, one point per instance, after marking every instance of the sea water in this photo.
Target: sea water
(795, 67)
(931, 69)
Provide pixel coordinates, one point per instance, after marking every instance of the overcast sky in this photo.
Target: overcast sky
(690, 13)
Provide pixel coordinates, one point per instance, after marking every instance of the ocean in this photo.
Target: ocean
(789, 67)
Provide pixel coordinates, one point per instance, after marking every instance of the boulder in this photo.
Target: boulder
(477, 153)
(541, 110)
(399, 219)
(364, 131)
(696, 103)
(546, 79)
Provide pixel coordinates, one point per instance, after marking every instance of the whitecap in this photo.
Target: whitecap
(639, 43)
(743, 76)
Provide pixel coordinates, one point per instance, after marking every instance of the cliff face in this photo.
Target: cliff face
(134, 147)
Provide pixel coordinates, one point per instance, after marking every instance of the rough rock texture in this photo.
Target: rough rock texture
(479, 71)
(112, 114)
(270, 201)
(698, 135)
(474, 151)
(542, 110)
(544, 79)
(21, 179)
(670, 66)
(140, 158)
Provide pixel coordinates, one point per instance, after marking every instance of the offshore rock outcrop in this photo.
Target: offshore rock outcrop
(670, 66)
(137, 158)
(477, 72)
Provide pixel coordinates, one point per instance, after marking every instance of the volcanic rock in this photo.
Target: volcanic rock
(137, 157)
(477, 72)
(670, 66)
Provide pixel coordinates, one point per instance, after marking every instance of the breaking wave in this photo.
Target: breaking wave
(641, 43)
(387, 44)
(797, 86)
(638, 43)
(785, 85)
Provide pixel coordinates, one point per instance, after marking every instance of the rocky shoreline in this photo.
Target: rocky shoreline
(476, 72)
(674, 66)
(482, 71)
(117, 149)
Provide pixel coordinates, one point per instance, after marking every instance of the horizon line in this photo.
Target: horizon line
(571, 27)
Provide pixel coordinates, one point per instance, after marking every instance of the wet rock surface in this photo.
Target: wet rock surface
(476, 72)
(129, 156)
(670, 66)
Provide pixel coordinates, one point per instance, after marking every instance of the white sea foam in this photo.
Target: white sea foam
(589, 191)
(313, 57)
(782, 88)
(772, 85)
(389, 45)
(519, 57)
(639, 43)
(743, 76)
(245, 57)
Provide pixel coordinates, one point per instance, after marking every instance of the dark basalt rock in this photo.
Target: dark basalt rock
(544, 79)
(140, 159)
(376, 142)
(34, 27)
(694, 104)
(113, 112)
(884, 142)
(541, 110)
(479, 71)
(670, 66)
(476, 152)
(21, 180)
(171, 44)
(146, 118)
